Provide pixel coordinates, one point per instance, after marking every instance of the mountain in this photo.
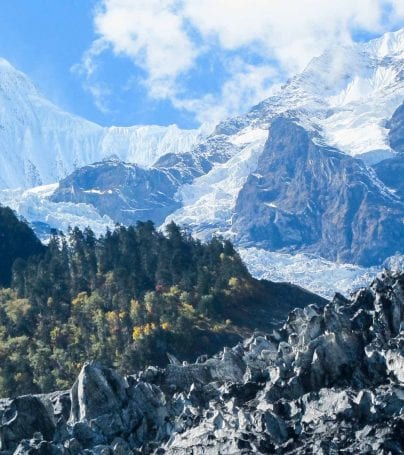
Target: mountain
(328, 381)
(307, 197)
(347, 103)
(41, 144)
(347, 108)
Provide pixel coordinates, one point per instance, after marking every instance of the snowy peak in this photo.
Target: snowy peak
(346, 94)
(14, 82)
(390, 45)
(41, 144)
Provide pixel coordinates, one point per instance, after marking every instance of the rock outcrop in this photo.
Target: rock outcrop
(330, 380)
(391, 171)
(305, 196)
(127, 193)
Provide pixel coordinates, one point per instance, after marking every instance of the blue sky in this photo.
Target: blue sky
(130, 62)
(46, 38)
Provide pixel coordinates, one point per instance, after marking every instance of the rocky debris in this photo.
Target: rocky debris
(330, 380)
(23, 418)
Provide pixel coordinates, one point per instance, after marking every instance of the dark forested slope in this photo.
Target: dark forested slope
(17, 240)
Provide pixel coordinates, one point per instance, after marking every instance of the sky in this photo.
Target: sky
(126, 62)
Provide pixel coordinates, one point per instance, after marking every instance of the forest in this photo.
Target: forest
(126, 299)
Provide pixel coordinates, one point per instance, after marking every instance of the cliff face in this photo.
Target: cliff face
(329, 379)
(309, 197)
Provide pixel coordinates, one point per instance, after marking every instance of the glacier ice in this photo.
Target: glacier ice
(35, 207)
(316, 274)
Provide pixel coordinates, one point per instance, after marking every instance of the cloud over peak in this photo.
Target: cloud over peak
(251, 44)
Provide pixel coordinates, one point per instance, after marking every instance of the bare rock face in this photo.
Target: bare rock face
(306, 196)
(396, 127)
(127, 193)
(330, 380)
(98, 398)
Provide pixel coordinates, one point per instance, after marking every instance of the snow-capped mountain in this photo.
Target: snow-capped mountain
(346, 104)
(346, 96)
(41, 144)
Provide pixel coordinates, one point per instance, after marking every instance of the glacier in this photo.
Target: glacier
(34, 206)
(311, 272)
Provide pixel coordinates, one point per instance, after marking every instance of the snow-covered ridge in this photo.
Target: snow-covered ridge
(40, 143)
(345, 96)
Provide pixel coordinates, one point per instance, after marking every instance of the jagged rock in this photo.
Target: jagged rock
(98, 397)
(22, 418)
(330, 380)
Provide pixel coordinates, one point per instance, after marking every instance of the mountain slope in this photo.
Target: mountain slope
(40, 143)
(329, 380)
(306, 197)
(17, 241)
(391, 171)
(124, 299)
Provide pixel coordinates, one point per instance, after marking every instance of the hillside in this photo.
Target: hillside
(128, 299)
(17, 240)
(328, 381)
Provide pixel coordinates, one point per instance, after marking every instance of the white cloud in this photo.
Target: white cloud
(160, 37)
(249, 85)
(152, 33)
(87, 69)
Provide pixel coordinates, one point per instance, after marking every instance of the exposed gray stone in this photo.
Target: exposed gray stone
(309, 197)
(328, 381)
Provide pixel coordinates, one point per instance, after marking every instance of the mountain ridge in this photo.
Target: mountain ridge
(347, 99)
(40, 143)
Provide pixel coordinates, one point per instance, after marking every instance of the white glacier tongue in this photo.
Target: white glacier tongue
(318, 275)
(209, 202)
(41, 144)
